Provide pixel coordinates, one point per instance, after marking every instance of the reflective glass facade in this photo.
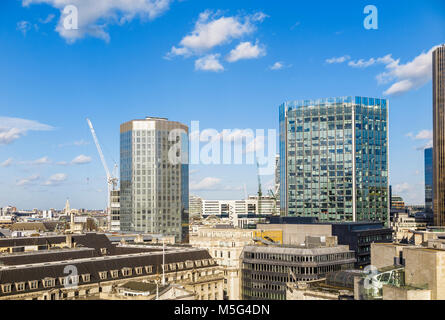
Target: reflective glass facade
(334, 159)
(154, 191)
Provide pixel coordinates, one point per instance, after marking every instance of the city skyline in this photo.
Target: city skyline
(233, 75)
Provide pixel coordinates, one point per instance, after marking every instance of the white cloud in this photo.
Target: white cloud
(209, 63)
(338, 59)
(56, 179)
(12, 129)
(37, 162)
(23, 27)
(81, 159)
(27, 181)
(6, 163)
(95, 16)
(41, 161)
(208, 183)
(246, 50)
(279, 65)
(422, 135)
(404, 77)
(213, 30)
(411, 193)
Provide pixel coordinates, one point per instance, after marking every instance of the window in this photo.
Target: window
(86, 277)
(33, 284)
(149, 269)
(127, 272)
(114, 273)
(20, 286)
(102, 275)
(62, 280)
(48, 282)
(138, 270)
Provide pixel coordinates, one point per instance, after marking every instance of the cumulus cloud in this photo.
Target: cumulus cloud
(56, 179)
(338, 59)
(95, 16)
(41, 161)
(12, 129)
(246, 50)
(403, 77)
(422, 135)
(81, 159)
(28, 180)
(278, 66)
(212, 30)
(6, 163)
(209, 63)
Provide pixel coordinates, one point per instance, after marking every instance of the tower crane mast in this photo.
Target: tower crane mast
(111, 180)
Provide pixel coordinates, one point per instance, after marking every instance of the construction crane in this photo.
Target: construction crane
(111, 180)
(260, 193)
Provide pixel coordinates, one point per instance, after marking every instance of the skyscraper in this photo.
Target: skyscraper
(154, 194)
(334, 159)
(429, 180)
(439, 135)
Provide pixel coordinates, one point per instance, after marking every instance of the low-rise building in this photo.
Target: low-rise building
(267, 270)
(85, 266)
(225, 244)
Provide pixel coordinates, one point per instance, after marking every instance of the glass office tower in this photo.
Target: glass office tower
(154, 194)
(429, 180)
(334, 159)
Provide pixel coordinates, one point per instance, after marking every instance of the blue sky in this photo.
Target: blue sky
(228, 64)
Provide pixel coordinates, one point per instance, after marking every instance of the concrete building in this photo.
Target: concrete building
(334, 159)
(357, 235)
(96, 267)
(403, 226)
(225, 245)
(421, 275)
(154, 188)
(439, 135)
(266, 270)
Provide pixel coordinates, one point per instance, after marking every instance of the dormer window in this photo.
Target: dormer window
(34, 284)
(20, 286)
(6, 288)
(49, 282)
(138, 270)
(102, 275)
(114, 273)
(86, 277)
(149, 269)
(127, 272)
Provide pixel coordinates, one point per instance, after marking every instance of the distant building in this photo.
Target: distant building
(334, 159)
(195, 205)
(154, 190)
(241, 213)
(397, 203)
(428, 180)
(267, 270)
(403, 226)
